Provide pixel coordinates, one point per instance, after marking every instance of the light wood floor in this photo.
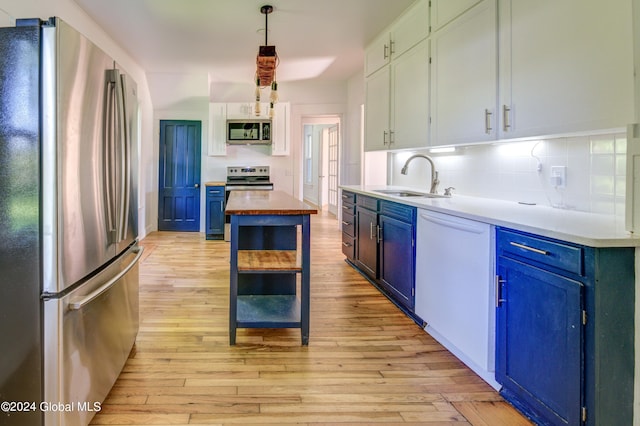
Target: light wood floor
(366, 362)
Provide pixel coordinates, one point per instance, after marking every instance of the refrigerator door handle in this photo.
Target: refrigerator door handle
(123, 157)
(76, 305)
(108, 145)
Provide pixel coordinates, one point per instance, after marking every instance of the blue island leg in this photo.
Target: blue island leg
(233, 282)
(305, 284)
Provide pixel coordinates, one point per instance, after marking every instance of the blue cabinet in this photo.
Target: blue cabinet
(367, 240)
(349, 225)
(384, 246)
(564, 329)
(397, 251)
(214, 222)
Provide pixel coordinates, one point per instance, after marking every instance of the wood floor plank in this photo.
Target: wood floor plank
(366, 363)
(494, 413)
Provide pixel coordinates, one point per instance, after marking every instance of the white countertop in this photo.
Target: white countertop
(589, 229)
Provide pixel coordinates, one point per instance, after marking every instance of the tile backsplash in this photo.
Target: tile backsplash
(521, 171)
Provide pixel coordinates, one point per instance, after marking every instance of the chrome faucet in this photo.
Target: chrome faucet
(434, 173)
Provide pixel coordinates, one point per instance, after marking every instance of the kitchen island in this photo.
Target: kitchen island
(267, 255)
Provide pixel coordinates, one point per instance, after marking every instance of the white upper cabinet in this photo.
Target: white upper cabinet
(281, 129)
(377, 54)
(397, 102)
(397, 83)
(410, 99)
(377, 106)
(565, 66)
(410, 29)
(217, 143)
(444, 11)
(247, 111)
(464, 78)
(406, 32)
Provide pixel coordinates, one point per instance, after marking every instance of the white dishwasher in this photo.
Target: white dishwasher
(454, 287)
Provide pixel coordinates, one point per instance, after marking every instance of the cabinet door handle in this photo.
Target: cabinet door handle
(384, 137)
(346, 244)
(385, 51)
(499, 299)
(345, 223)
(533, 249)
(379, 233)
(487, 121)
(392, 137)
(371, 235)
(392, 49)
(506, 113)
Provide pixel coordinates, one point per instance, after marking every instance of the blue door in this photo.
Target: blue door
(179, 176)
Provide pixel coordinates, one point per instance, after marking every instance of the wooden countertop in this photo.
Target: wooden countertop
(214, 183)
(266, 203)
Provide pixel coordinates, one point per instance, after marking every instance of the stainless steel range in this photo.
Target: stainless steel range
(248, 178)
(245, 178)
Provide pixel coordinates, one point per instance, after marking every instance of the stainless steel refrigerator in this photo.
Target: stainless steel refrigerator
(68, 224)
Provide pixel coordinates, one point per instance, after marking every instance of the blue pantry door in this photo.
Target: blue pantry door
(179, 176)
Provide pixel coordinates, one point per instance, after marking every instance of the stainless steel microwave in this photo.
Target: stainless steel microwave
(249, 132)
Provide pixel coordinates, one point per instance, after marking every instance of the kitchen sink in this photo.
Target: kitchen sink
(405, 193)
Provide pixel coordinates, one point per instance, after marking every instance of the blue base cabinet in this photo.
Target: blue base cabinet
(214, 222)
(384, 243)
(349, 225)
(397, 224)
(565, 329)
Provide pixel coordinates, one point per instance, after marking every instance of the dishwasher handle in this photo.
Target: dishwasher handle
(455, 224)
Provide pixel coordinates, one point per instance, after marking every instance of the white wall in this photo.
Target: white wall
(73, 15)
(350, 149)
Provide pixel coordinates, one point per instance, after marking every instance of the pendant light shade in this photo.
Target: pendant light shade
(266, 64)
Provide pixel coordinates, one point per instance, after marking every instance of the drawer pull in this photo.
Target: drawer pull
(346, 244)
(345, 223)
(535, 250)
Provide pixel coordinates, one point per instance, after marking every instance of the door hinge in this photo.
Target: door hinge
(583, 414)
(584, 317)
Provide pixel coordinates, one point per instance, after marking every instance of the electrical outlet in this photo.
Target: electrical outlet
(558, 176)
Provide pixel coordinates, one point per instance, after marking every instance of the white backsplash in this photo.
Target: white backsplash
(520, 171)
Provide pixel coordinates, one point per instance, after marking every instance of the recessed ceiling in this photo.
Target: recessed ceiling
(314, 39)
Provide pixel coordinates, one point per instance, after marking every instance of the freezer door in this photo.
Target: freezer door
(79, 213)
(88, 337)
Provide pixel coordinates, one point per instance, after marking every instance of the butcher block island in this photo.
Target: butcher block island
(270, 249)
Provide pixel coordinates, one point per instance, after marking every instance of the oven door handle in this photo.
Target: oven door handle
(249, 187)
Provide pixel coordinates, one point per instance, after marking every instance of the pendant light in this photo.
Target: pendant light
(266, 63)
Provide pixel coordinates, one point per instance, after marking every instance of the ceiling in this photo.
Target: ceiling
(314, 39)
